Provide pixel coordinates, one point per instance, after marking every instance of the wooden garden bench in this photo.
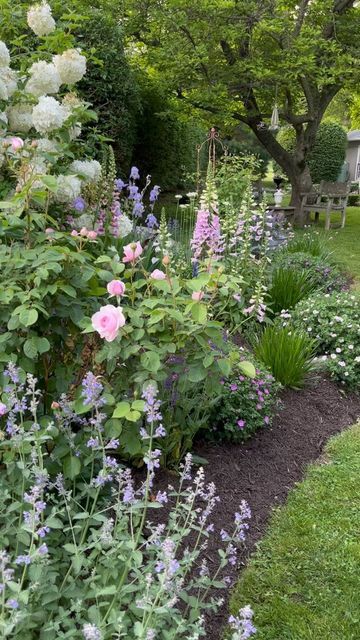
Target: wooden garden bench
(329, 197)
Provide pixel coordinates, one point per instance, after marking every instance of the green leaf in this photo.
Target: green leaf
(138, 405)
(121, 410)
(199, 312)
(50, 182)
(30, 348)
(224, 366)
(197, 373)
(28, 317)
(113, 428)
(133, 416)
(156, 316)
(150, 360)
(247, 368)
(72, 467)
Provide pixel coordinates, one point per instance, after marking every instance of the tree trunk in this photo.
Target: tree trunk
(300, 183)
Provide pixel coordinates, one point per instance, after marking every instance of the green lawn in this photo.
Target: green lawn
(304, 580)
(345, 243)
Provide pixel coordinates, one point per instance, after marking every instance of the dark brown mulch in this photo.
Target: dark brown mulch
(263, 470)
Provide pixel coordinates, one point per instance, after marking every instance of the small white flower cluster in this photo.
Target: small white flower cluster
(40, 20)
(88, 170)
(4, 55)
(8, 77)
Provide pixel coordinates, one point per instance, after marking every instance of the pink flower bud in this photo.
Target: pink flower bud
(55, 405)
(157, 274)
(116, 288)
(16, 143)
(49, 230)
(92, 235)
(84, 231)
(197, 296)
(74, 233)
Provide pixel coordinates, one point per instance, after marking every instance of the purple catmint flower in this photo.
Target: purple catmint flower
(161, 497)
(152, 460)
(112, 444)
(43, 531)
(91, 632)
(129, 492)
(152, 405)
(12, 603)
(160, 432)
(91, 390)
(92, 443)
(242, 624)
(13, 373)
(241, 424)
(3, 409)
(134, 173)
(79, 204)
(43, 549)
(23, 560)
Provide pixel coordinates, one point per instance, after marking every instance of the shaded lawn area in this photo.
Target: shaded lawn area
(345, 243)
(304, 581)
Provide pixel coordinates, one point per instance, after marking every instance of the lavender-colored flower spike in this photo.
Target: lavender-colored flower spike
(242, 624)
(91, 632)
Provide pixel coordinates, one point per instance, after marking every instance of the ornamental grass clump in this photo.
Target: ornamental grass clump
(288, 287)
(289, 354)
(91, 556)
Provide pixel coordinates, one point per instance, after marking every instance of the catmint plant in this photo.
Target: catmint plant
(91, 556)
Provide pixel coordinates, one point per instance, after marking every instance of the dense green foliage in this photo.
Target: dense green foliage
(324, 274)
(288, 286)
(328, 154)
(288, 353)
(246, 405)
(303, 581)
(334, 320)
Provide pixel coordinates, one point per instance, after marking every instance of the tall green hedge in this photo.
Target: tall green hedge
(328, 155)
(166, 141)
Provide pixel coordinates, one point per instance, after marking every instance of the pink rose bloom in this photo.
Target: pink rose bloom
(92, 235)
(16, 143)
(3, 409)
(107, 322)
(157, 274)
(84, 231)
(197, 296)
(74, 233)
(132, 252)
(116, 288)
(49, 230)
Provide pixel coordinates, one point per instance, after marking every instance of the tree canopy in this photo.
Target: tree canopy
(235, 58)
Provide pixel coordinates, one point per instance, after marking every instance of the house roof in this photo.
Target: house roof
(354, 136)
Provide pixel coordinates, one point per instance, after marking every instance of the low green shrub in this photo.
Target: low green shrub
(288, 353)
(246, 405)
(334, 320)
(288, 287)
(325, 275)
(311, 243)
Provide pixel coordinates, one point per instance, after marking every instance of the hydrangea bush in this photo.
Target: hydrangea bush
(334, 321)
(100, 557)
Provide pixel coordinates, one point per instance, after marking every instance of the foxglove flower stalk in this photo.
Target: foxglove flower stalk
(207, 238)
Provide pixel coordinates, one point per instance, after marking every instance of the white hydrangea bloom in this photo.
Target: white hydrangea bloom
(68, 188)
(8, 82)
(48, 115)
(40, 20)
(44, 145)
(4, 55)
(71, 66)
(20, 117)
(124, 226)
(44, 79)
(89, 170)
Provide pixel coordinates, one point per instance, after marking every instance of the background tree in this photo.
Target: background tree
(232, 57)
